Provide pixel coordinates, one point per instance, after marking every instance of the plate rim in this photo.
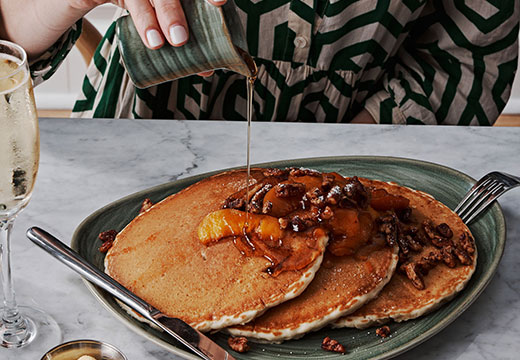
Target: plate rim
(423, 336)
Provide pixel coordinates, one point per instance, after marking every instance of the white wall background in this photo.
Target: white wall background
(60, 91)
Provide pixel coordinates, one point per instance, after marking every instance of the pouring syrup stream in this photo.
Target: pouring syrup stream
(251, 77)
(250, 89)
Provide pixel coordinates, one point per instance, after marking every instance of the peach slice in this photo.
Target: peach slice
(351, 230)
(231, 222)
(381, 200)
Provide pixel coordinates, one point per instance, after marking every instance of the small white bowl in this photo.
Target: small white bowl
(73, 350)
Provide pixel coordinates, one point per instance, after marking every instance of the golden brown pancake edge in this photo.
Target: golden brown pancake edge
(400, 300)
(159, 257)
(329, 296)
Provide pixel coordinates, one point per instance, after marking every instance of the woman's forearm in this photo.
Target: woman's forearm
(36, 24)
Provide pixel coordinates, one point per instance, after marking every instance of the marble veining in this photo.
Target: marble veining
(86, 164)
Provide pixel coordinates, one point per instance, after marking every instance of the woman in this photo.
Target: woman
(384, 61)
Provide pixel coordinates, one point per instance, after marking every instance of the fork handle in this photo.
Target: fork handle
(70, 258)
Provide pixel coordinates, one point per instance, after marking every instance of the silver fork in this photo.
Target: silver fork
(482, 194)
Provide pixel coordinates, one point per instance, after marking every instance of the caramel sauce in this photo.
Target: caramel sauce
(350, 228)
(303, 208)
(260, 235)
(293, 210)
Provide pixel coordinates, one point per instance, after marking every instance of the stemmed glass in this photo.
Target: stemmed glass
(19, 158)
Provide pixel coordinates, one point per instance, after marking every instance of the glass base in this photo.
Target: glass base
(42, 333)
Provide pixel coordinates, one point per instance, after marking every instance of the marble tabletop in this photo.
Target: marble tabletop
(86, 164)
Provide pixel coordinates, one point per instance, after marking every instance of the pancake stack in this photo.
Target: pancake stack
(159, 257)
(429, 276)
(294, 251)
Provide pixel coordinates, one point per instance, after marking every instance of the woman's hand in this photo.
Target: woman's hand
(155, 20)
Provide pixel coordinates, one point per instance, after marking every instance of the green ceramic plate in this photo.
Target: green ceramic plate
(446, 184)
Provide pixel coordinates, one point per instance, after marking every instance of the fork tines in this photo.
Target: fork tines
(482, 194)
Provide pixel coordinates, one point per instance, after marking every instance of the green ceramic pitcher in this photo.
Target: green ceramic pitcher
(216, 41)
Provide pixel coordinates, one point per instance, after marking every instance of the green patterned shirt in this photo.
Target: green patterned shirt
(405, 61)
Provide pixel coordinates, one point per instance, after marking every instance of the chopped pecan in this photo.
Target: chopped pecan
(430, 261)
(414, 244)
(108, 238)
(334, 195)
(315, 197)
(232, 203)
(388, 227)
(106, 246)
(413, 273)
(147, 203)
(428, 229)
(407, 242)
(296, 172)
(253, 189)
(304, 220)
(403, 243)
(448, 256)
(463, 257)
(417, 237)
(440, 242)
(284, 223)
(297, 223)
(332, 345)
(327, 213)
(328, 181)
(466, 242)
(289, 190)
(444, 230)
(238, 344)
(383, 331)
(279, 173)
(256, 203)
(267, 207)
(109, 235)
(355, 191)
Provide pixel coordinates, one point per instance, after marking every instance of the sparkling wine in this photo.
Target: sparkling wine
(19, 158)
(19, 138)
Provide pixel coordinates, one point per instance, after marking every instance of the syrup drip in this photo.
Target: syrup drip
(250, 87)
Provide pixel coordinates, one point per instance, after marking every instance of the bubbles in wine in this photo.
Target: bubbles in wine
(19, 138)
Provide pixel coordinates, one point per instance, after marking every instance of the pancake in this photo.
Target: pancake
(342, 285)
(401, 300)
(346, 280)
(159, 257)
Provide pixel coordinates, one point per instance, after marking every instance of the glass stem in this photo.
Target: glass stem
(13, 323)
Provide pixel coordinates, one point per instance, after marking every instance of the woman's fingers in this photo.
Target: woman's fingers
(206, 73)
(172, 21)
(217, 2)
(145, 21)
(158, 21)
